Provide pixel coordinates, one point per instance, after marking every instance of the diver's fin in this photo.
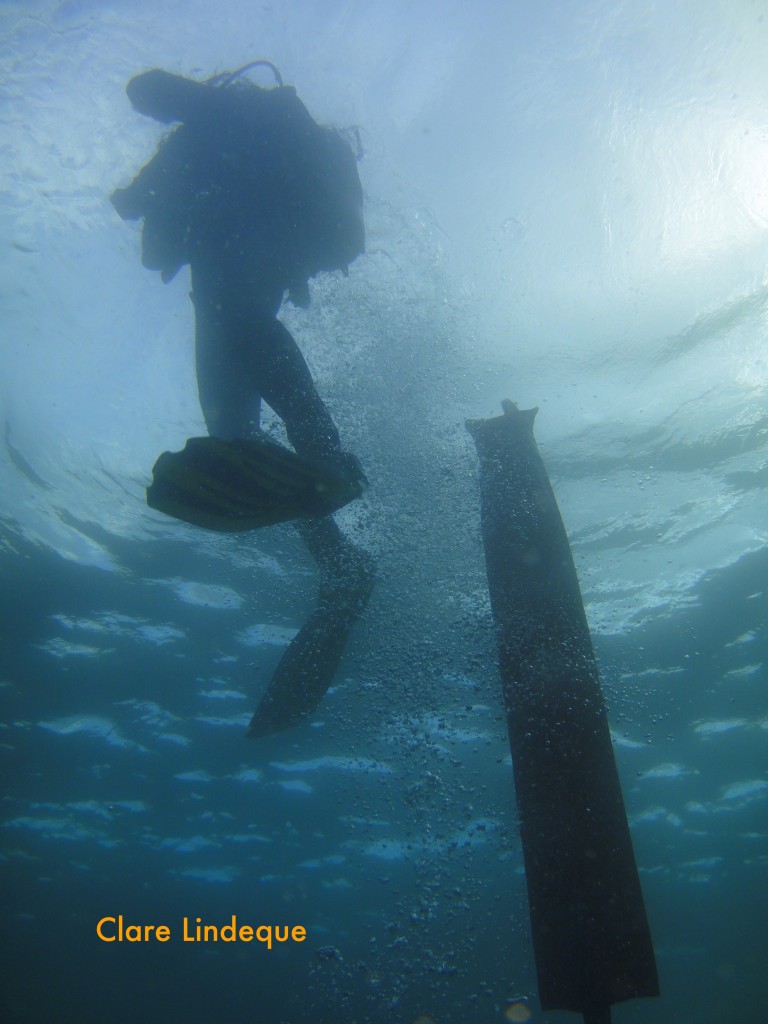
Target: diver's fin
(307, 668)
(247, 483)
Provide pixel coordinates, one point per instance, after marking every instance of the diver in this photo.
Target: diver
(257, 198)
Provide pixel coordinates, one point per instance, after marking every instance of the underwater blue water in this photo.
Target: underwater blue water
(566, 206)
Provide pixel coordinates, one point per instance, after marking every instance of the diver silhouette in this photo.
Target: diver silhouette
(257, 198)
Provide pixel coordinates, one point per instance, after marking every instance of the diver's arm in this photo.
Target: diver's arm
(133, 201)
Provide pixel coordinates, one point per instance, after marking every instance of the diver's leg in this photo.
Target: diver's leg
(286, 385)
(241, 358)
(229, 396)
(309, 665)
(235, 366)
